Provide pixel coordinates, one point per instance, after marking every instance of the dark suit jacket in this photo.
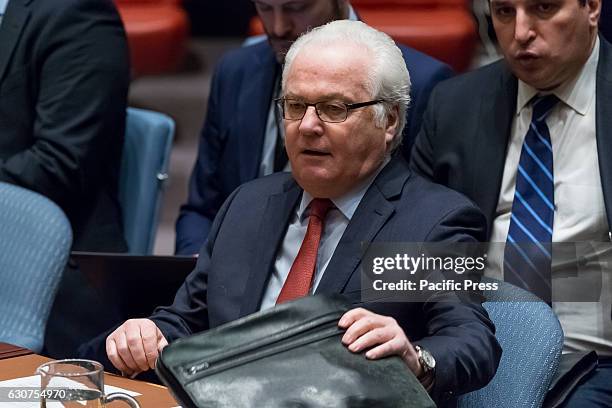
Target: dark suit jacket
(467, 126)
(605, 20)
(236, 262)
(64, 75)
(232, 139)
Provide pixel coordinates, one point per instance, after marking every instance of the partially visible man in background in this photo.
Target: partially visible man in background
(529, 139)
(241, 139)
(64, 77)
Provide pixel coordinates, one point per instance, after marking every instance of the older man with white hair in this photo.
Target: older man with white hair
(242, 137)
(344, 94)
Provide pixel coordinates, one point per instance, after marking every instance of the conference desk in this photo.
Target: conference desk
(18, 362)
(9, 351)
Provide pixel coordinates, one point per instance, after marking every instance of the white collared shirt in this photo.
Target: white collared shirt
(336, 222)
(580, 213)
(3, 5)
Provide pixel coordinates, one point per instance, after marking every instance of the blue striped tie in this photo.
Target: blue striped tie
(527, 257)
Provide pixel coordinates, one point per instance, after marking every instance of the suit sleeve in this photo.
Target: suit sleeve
(460, 335)
(188, 313)
(83, 64)
(420, 99)
(204, 196)
(421, 158)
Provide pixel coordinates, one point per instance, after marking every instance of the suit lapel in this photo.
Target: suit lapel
(13, 22)
(371, 215)
(495, 119)
(271, 233)
(253, 109)
(603, 120)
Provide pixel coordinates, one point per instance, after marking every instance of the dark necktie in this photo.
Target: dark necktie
(528, 253)
(280, 153)
(302, 271)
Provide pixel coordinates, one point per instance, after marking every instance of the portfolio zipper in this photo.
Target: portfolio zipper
(177, 390)
(266, 341)
(229, 360)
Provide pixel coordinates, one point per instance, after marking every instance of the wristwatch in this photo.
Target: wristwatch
(427, 361)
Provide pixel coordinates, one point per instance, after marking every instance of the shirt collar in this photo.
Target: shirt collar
(347, 203)
(575, 93)
(352, 15)
(3, 4)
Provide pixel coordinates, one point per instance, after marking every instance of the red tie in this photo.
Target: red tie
(302, 271)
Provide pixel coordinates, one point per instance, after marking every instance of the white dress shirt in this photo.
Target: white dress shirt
(3, 4)
(579, 203)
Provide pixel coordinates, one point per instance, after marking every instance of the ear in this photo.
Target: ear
(392, 124)
(594, 10)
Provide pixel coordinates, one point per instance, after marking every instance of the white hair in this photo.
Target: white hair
(388, 78)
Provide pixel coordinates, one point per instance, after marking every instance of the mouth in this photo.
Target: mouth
(526, 56)
(315, 153)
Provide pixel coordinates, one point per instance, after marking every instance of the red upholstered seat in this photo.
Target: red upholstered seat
(156, 32)
(448, 34)
(407, 3)
(443, 29)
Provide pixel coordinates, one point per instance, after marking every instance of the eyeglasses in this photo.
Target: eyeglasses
(327, 111)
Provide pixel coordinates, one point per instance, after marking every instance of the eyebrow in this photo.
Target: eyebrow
(325, 97)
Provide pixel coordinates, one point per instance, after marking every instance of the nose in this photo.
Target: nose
(311, 124)
(523, 28)
(281, 24)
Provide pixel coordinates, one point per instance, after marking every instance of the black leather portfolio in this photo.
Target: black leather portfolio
(287, 356)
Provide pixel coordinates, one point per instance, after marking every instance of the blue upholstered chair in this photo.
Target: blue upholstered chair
(144, 166)
(531, 338)
(35, 240)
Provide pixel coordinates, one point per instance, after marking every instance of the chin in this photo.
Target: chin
(535, 76)
(540, 83)
(280, 50)
(316, 185)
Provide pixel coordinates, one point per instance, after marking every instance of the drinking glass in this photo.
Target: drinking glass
(76, 383)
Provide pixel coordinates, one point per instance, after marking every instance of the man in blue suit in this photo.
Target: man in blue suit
(290, 235)
(241, 139)
(64, 80)
(493, 147)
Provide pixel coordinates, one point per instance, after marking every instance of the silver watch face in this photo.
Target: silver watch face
(427, 359)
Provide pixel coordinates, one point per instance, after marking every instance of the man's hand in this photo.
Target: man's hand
(135, 346)
(381, 334)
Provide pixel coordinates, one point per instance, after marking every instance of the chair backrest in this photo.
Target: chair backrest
(531, 339)
(144, 166)
(35, 240)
